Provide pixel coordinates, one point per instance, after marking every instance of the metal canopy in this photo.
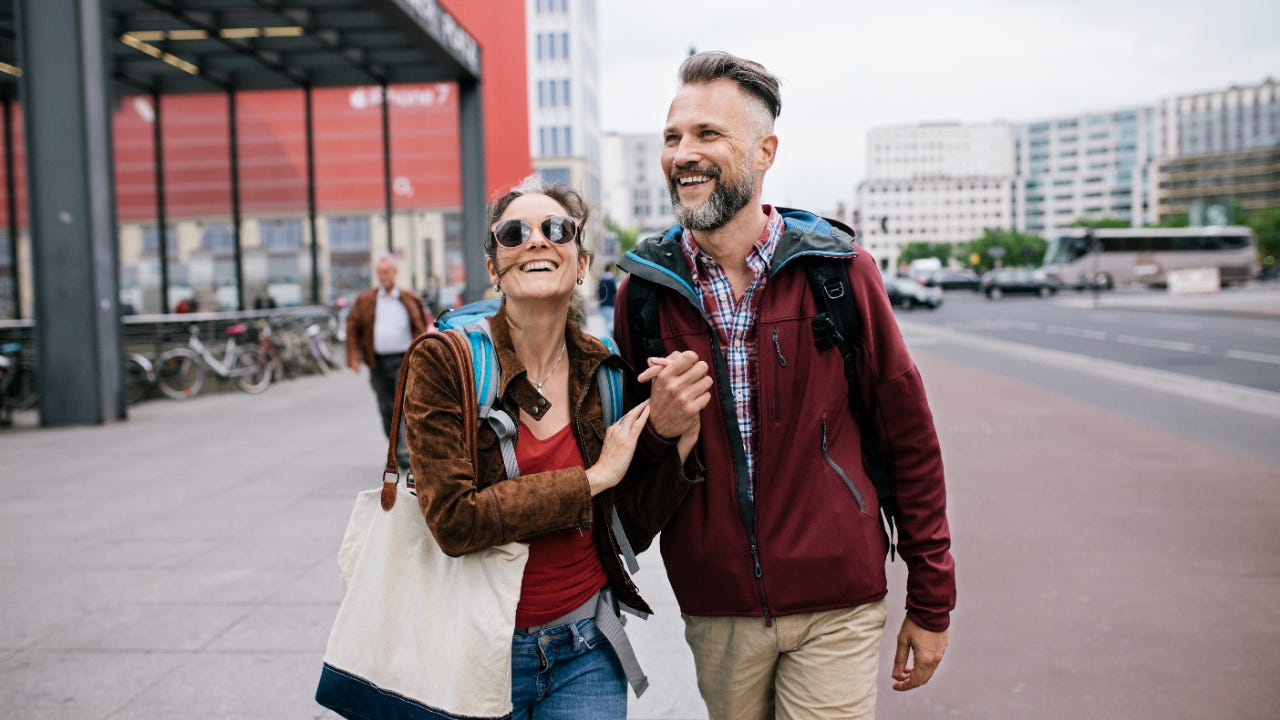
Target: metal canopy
(176, 46)
(170, 46)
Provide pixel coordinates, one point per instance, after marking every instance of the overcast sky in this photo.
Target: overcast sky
(849, 66)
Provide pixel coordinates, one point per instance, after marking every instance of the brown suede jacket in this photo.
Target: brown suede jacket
(470, 508)
(360, 322)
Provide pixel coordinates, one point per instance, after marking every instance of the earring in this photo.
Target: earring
(497, 288)
(579, 281)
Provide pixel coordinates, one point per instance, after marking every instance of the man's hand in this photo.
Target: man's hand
(680, 390)
(353, 362)
(926, 649)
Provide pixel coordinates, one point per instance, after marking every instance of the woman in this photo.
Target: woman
(573, 469)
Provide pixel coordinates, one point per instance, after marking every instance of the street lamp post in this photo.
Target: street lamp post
(1095, 247)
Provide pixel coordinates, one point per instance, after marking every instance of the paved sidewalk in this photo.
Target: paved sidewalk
(1255, 301)
(181, 564)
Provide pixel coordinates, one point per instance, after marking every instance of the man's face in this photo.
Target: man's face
(387, 275)
(711, 155)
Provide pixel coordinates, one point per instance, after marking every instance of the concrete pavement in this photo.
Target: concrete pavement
(181, 564)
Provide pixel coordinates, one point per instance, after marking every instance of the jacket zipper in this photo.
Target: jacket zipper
(777, 377)
(857, 496)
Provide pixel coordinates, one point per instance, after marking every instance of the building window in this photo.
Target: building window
(568, 139)
(281, 236)
(219, 239)
(564, 92)
(150, 241)
(349, 233)
(564, 46)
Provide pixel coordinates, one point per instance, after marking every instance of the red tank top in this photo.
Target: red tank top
(564, 569)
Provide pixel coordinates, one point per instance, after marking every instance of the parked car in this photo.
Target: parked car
(907, 293)
(998, 283)
(954, 279)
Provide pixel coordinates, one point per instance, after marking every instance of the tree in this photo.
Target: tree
(627, 239)
(1102, 223)
(1019, 248)
(1265, 223)
(920, 249)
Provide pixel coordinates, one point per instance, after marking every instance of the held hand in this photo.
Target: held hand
(681, 389)
(354, 364)
(619, 445)
(925, 647)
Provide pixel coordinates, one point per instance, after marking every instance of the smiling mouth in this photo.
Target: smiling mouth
(538, 266)
(693, 180)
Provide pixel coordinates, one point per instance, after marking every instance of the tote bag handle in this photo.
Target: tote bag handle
(459, 350)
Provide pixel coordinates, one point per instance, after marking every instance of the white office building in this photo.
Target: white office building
(1090, 165)
(635, 191)
(564, 108)
(934, 182)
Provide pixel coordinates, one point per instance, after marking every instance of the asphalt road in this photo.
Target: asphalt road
(1238, 350)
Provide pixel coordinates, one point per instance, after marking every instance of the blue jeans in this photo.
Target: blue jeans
(567, 672)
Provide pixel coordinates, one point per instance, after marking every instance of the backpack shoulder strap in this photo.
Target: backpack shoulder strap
(609, 379)
(642, 318)
(837, 324)
(484, 362)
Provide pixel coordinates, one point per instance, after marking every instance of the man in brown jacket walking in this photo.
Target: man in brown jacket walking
(380, 327)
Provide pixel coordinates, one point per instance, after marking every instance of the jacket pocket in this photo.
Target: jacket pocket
(848, 481)
(780, 362)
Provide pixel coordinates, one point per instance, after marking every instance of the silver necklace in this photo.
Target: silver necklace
(556, 364)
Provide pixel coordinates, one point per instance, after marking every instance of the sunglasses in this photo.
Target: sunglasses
(514, 233)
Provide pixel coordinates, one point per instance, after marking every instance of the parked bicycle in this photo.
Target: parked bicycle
(17, 382)
(139, 378)
(180, 371)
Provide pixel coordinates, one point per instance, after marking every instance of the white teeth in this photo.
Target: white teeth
(694, 179)
(537, 265)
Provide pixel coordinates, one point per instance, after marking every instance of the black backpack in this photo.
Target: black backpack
(836, 325)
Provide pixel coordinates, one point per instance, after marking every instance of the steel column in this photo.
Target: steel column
(234, 137)
(386, 161)
(61, 49)
(311, 197)
(11, 201)
(474, 224)
(162, 214)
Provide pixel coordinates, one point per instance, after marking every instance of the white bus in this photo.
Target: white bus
(1147, 255)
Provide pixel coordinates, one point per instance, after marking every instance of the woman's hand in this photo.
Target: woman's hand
(619, 445)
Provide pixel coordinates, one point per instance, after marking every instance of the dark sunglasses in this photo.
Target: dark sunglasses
(557, 228)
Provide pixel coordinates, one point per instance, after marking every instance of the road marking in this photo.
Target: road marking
(1075, 332)
(1254, 356)
(1179, 324)
(1162, 344)
(1215, 392)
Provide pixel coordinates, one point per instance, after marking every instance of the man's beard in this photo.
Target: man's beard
(725, 201)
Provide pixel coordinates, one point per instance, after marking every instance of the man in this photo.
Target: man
(606, 294)
(380, 327)
(777, 559)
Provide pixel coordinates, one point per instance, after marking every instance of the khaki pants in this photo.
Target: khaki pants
(813, 665)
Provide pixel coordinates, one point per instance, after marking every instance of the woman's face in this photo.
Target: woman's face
(538, 268)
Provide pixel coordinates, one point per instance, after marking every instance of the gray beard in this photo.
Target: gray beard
(725, 201)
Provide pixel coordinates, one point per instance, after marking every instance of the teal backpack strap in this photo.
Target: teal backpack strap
(484, 360)
(609, 379)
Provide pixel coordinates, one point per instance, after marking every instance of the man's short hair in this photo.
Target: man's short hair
(750, 76)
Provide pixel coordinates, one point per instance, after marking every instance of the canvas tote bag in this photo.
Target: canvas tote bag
(420, 634)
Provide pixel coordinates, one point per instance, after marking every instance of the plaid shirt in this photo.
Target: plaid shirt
(735, 322)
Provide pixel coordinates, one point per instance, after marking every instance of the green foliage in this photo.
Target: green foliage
(921, 249)
(1266, 228)
(627, 239)
(1019, 248)
(1102, 223)
(1175, 221)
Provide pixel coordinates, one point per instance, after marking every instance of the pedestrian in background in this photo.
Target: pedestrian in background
(382, 323)
(777, 560)
(606, 292)
(573, 469)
